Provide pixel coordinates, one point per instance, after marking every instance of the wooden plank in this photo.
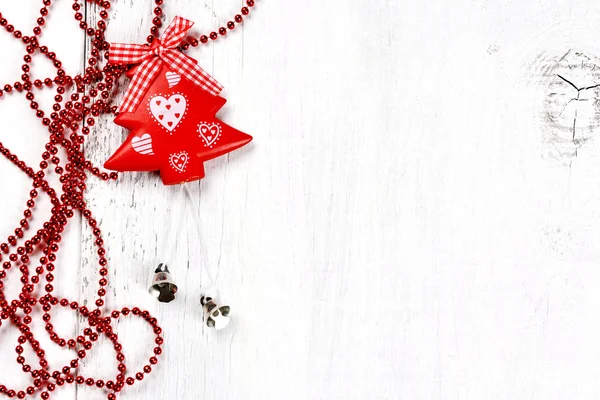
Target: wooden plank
(127, 277)
(148, 224)
(25, 136)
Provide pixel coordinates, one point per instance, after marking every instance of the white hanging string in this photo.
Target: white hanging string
(172, 238)
(208, 282)
(188, 207)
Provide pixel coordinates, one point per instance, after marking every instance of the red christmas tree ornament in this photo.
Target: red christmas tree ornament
(170, 109)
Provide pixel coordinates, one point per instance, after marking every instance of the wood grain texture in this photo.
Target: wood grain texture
(414, 219)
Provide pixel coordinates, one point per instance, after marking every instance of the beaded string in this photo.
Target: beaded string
(79, 101)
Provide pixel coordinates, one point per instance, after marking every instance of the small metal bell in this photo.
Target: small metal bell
(216, 316)
(163, 286)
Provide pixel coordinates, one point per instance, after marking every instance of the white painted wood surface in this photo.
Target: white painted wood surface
(414, 219)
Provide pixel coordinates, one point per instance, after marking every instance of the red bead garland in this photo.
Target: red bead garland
(157, 23)
(90, 98)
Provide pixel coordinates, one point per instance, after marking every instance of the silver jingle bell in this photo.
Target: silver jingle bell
(216, 316)
(163, 287)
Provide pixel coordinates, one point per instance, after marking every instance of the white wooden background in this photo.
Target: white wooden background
(414, 219)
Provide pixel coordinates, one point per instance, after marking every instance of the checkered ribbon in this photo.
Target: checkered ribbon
(151, 58)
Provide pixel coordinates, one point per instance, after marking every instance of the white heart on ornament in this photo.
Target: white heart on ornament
(209, 133)
(172, 78)
(143, 144)
(178, 161)
(168, 112)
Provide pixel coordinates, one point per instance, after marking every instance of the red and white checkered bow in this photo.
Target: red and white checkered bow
(151, 59)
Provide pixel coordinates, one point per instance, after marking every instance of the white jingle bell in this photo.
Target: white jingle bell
(216, 316)
(163, 286)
